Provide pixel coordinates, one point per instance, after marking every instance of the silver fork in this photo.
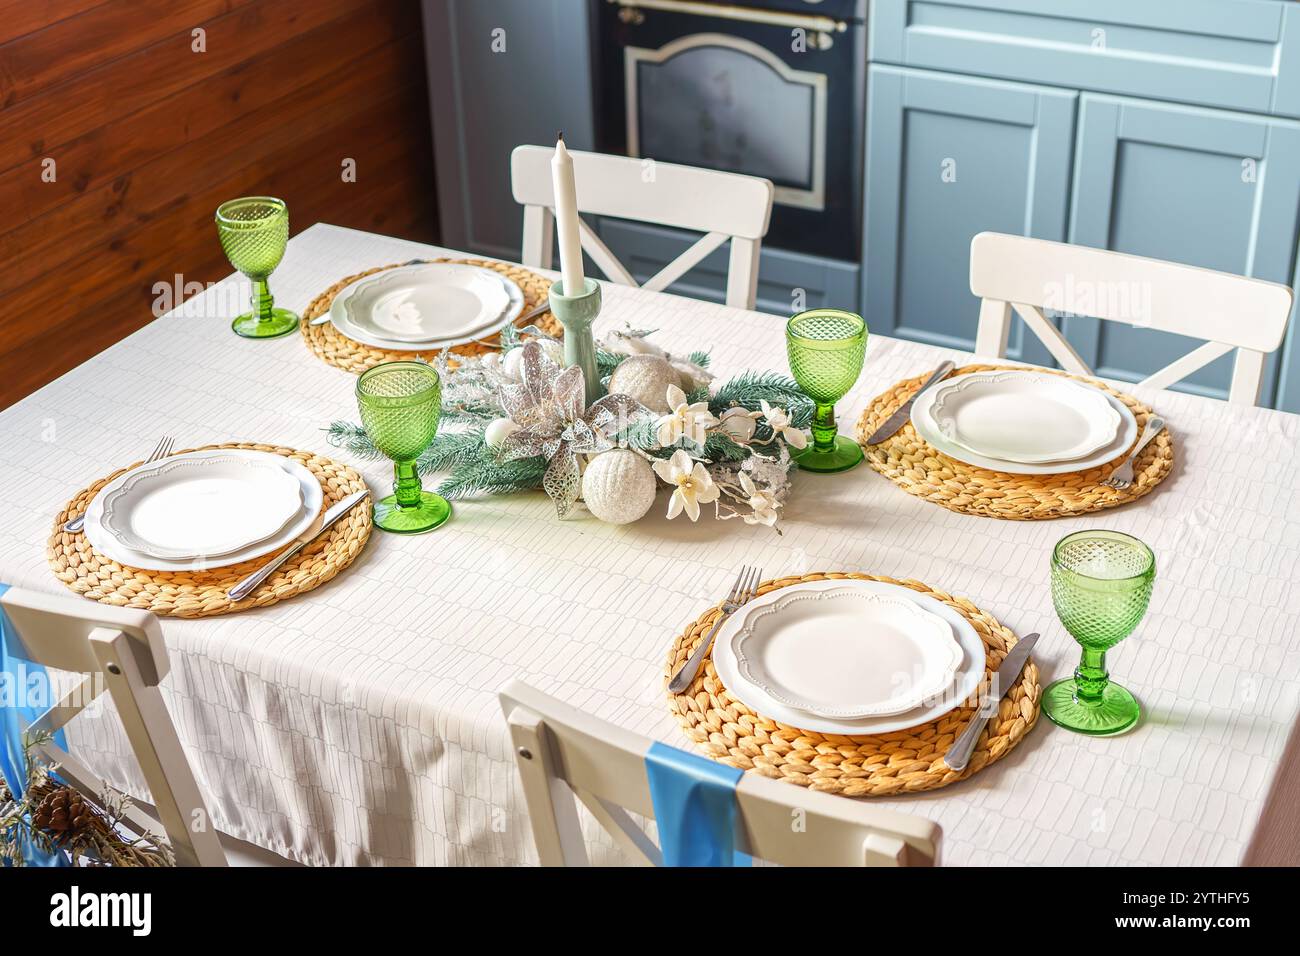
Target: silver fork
(743, 590)
(1121, 478)
(160, 450)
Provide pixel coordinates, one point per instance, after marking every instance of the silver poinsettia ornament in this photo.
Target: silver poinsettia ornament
(550, 409)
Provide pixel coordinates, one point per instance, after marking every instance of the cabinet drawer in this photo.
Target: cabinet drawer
(1241, 54)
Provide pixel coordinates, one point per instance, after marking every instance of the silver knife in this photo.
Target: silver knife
(895, 421)
(247, 586)
(958, 754)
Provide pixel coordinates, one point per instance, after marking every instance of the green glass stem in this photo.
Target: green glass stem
(1091, 676)
(262, 301)
(406, 485)
(823, 428)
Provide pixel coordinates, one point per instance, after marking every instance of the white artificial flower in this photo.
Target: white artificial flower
(738, 423)
(763, 503)
(692, 485)
(693, 421)
(693, 376)
(779, 420)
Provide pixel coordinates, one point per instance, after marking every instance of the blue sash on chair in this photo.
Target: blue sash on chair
(17, 674)
(695, 808)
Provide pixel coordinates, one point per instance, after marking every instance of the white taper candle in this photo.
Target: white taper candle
(566, 219)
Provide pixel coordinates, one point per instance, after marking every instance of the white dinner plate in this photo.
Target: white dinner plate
(309, 489)
(844, 652)
(1024, 416)
(186, 507)
(1122, 442)
(400, 309)
(966, 681)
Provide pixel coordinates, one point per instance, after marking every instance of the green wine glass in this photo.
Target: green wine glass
(1101, 584)
(826, 347)
(254, 231)
(400, 404)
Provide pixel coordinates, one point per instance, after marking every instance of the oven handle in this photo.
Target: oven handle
(746, 14)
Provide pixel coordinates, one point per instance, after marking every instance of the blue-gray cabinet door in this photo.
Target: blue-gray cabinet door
(1189, 184)
(948, 157)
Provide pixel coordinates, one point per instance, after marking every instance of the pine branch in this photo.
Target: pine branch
(748, 389)
(718, 447)
(607, 361)
(354, 439)
(701, 359)
(451, 450)
(490, 477)
(642, 433)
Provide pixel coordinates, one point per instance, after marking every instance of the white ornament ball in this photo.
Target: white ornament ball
(512, 364)
(498, 431)
(645, 378)
(618, 486)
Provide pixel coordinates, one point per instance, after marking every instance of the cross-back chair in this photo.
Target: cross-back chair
(1228, 311)
(721, 205)
(120, 649)
(565, 756)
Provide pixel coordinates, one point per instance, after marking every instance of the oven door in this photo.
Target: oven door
(747, 90)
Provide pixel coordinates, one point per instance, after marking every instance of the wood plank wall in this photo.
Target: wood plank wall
(149, 135)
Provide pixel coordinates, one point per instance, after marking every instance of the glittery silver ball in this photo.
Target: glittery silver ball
(618, 486)
(646, 378)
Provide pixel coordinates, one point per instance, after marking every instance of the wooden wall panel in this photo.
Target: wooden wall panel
(150, 136)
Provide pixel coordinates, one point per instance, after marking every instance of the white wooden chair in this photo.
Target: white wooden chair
(563, 753)
(721, 205)
(1229, 311)
(121, 649)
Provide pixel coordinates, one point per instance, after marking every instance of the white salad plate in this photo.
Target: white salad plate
(963, 683)
(185, 507)
(927, 429)
(1024, 416)
(426, 307)
(307, 489)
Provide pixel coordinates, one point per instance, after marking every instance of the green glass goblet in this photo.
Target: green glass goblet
(400, 404)
(254, 231)
(826, 347)
(1101, 584)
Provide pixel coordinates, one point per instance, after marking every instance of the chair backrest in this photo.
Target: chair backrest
(1229, 311)
(563, 754)
(721, 205)
(120, 649)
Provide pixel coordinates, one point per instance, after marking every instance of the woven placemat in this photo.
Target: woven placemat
(918, 468)
(906, 761)
(332, 346)
(203, 593)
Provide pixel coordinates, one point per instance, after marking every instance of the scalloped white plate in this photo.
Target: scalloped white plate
(965, 681)
(426, 307)
(312, 499)
(1024, 416)
(1123, 441)
(844, 652)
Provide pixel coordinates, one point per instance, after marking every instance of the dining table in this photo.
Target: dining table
(359, 723)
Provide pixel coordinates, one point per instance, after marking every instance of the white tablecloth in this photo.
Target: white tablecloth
(359, 723)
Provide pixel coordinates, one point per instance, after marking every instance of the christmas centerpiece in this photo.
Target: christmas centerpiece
(521, 421)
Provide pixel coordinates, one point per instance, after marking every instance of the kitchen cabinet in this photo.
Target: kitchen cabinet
(1159, 129)
(1206, 187)
(948, 157)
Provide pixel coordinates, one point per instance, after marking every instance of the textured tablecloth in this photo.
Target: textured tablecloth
(359, 723)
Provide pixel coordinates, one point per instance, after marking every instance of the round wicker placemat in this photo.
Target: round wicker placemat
(332, 346)
(906, 761)
(203, 593)
(918, 468)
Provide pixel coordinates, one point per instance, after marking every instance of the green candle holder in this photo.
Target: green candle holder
(576, 313)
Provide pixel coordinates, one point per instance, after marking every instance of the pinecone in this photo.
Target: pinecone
(64, 811)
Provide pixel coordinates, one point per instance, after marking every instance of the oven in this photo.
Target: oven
(770, 88)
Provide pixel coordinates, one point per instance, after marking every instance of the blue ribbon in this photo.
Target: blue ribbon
(17, 676)
(695, 808)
